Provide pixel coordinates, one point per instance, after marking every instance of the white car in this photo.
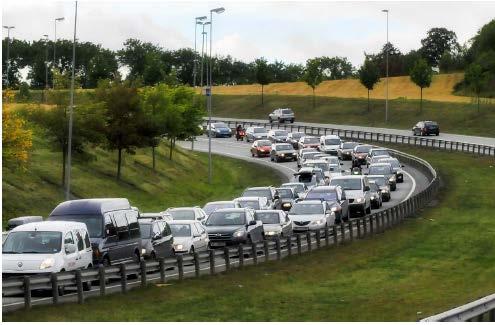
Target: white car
(193, 213)
(47, 247)
(330, 144)
(253, 202)
(276, 223)
(189, 236)
(311, 215)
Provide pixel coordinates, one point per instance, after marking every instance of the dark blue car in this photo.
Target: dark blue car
(220, 130)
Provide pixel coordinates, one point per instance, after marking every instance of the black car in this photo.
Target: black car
(359, 155)
(335, 198)
(288, 196)
(376, 196)
(386, 170)
(112, 225)
(156, 239)
(426, 128)
(226, 227)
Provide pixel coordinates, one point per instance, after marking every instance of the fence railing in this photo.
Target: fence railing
(481, 310)
(371, 137)
(213, 261)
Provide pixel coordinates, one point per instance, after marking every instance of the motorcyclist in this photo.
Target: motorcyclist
(238, 130)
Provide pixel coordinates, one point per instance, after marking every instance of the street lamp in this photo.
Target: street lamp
(217, 11)
(8, 28)
(71, 108)
(55, 40)
(46, 60)
(197, 21)
(203, 52)
(386, 55)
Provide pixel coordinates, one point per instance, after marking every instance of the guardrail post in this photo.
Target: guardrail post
(351, 231)
(334, 234)
(289, 245)
(54, 281)
(254, 253)
(388, 218)
(358, 226)
(491, 316)
(342, 231)
(161, 266)
(371, 225)
(27, 292)
(123, 278)
(327, 237)
(240, 252)
(308, 240)
(279, 250)
(142, 269)
(365, 226)
(318, 238)
(79, 284)
(299, 246)
(196, 264)
(265, 250)
(180, 266)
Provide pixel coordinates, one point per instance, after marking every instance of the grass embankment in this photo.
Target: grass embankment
(439, 260)
(403, 114)
(181, 182)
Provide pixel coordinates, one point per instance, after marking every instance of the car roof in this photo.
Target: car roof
(378, 148)
(316, 161)
(219, 202)
(324, 188)
(231, 210)
(305, 170)
(50, 226)
(309, 202)
(90, 206)
(181, 222)
(258, 188)
(248, 198)
(330, 136)
(182, 208)
(379, 164)
(270, 211)
(348, 176)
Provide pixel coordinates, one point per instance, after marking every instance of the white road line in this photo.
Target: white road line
(412, 188)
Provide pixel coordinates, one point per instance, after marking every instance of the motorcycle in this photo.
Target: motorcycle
(240, 135)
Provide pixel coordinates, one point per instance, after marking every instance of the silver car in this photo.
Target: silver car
(253, 202)
(357, 192)
(193, 213)
(276, 223)
(216, 205)
(311, 215)
(189, 236)
(256, 133)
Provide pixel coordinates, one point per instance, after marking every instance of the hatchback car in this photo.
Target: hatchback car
(256, 133)
(156, 239)
(294, 138)
(383, 184)
(219, 130)
(386, 170)
(299, 188)
(311, 215)
(396, 166)
(186, 213)
(276, 223)
(309, 142)
(376, 152)
(359, 155)
(304, 156)
(357, 192)
(278, 136)
(335, 198)
(345, 150)
(281, 115)
(287, 196)
(426, 128)
(253, 202)
(261, 148)
(282, 152)
(189, 236)
(376, 196)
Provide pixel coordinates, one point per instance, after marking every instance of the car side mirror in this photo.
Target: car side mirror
(341, 164)
(70, 248)
(252, 223)
(366, 188)
(276, 197)
(402, 166)
(366, 173)
(156, 236)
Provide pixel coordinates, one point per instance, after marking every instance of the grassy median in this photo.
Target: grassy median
(180, 182)
(441, 259)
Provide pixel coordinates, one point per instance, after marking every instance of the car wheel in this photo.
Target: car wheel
(153, 256)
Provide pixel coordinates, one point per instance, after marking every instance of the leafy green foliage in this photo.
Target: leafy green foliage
(263, 75)
(421, 75)
(313, 75)
(438, 41)
(369, 76)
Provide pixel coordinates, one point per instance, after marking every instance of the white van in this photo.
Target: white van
(46, 247)
(330, 144)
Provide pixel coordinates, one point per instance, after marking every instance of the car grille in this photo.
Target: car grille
(301, 223)
(219, 236)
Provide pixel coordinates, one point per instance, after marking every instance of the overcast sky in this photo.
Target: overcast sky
(292, 31)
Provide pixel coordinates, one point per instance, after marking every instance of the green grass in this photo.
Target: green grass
(441, 259)
(403, 114)
(181, 182)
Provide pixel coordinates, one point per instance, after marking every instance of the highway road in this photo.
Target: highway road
(443, 136)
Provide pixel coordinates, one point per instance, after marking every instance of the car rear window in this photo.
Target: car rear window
(287, 111)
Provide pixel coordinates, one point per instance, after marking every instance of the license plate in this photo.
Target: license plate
(301, 228)
(217, 244)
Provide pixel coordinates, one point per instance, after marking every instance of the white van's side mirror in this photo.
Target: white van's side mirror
(70, 248)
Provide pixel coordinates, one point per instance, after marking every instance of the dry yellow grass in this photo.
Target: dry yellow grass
(15, 106)
(399, 87)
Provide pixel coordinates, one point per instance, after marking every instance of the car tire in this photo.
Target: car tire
(252, 154)
(292, 121)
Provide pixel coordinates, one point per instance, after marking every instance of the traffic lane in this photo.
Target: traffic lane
(443, 136)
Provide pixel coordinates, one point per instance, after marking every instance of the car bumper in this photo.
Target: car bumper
(262, 153)
(330, 151)
(285, 157)
(357, 206)
(345, 155)
(307, 227)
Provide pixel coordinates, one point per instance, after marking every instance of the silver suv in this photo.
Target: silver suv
(357, 192)
(281, 115)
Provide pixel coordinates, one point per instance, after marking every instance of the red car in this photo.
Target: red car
(261, 148)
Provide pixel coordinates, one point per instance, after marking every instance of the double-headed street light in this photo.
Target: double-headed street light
(209, 93)
(55, 40)
(203, 51)
(8, 28)
(386, 55)
(197, 21)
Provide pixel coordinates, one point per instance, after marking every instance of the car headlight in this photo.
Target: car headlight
(271, 233)
(282, 155)
(360, 200)
(143, 251)
(335, 209)
(239, 233)
(286, 205)
(318, 222)
(47, 263)
(178, 247)
(384, 190)
(391, 179)
(373, 197)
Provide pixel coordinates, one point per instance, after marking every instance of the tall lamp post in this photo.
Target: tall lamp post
(386, 55)
(46, 61)
(8, 28)
(203, 52)
(71, 108)
(217, 11)
(55, 41)
(197, 21)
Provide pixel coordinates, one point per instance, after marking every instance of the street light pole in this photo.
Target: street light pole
(386, 55)
(203, 52)
(55, 41)
(217, 11)
(8, 28)
(197, 21)
(46, 61)
(71, 108)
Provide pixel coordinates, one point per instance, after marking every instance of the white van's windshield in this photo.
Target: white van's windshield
(33, 242)
(93, 222)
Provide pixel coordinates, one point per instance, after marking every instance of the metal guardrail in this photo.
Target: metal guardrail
(357, 135)
(147, 271)
(481, 310)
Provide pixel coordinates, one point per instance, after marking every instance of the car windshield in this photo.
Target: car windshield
(393, 162)
(362, 149)
(374, 187)
(349, 145)
(258, 193)
(265, 143)
(332, 142)
(268, 217)
(309, 155)
(210, 207)
(310, 140)
(33, 242)
(347, 183)
(182, 214)
(297, 187)
(145, 229)
(93, 222)
(306, 208)
(220, 125)
(259, 130)
(306, 178)
(249, 204)
(323, 195)
(284, 147)
(280, 133)
(179, 230)
(287, 111)
(381, 153)
(285, 193)
(226, 218)
(380, 181)
(379, 170)
(431, 124)
(297, 136)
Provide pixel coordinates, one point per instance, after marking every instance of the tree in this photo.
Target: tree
(262, 74)
(17, 140)
(369, 75)
(154, 69)
(421, 75)
(437, 42)
(123, 115)
(103, 65)
(313, 75)
(336, 68)
(475, 79)
(133, 55)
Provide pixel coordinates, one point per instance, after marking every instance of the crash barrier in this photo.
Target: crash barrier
(213, 261)
(481, 310)
(371, 137)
